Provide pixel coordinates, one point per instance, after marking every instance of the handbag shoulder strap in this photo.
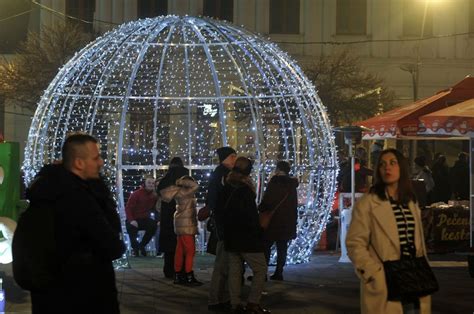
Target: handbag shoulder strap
(281, 202)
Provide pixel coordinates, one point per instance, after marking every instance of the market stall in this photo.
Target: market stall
(454, 121)
(447, 114)
(403, 122)
(446, 227)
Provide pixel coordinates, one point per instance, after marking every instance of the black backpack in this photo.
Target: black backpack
(35, 258)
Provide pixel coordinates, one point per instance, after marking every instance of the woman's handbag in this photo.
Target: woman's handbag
(266, 216)
(203, 213)
(211, 247)
(409, 278)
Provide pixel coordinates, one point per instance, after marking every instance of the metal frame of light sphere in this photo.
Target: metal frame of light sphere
(170, 86)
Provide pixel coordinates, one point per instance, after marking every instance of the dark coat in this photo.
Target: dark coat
(103, 195)
(242, 231)
(442, 189)
(459, 174)
(87, 237)
(216, 185)
(167, 236)
(283, 223)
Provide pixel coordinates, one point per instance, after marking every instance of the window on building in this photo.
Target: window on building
(284, 16)
(12, 19)
(351, 17)
(81, 9)
(151, 8)
(417, 18)
(471, 17)
(219, 9)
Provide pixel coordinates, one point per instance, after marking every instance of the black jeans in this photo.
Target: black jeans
(168, 265)
(282, 247)
(147, 224)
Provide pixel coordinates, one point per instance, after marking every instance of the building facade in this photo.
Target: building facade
(417, 46)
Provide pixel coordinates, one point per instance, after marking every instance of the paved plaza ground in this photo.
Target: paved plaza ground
(323, 286)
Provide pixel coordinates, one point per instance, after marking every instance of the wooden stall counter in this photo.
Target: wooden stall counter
(446, 228)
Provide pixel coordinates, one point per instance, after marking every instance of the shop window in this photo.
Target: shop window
(417, 18)
(83, 10)
(284, 16)
(151, 8)
(351, 17)
(219, 9)
(471, 17)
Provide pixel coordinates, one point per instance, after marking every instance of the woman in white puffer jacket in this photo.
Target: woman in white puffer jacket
(185, 227)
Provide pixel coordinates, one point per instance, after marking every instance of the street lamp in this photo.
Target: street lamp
(414, 69)
(352, 137)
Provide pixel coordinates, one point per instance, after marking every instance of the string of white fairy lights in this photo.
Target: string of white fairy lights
(170, 86)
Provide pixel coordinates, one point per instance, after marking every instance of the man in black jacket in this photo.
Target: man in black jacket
(86, 232)
(219, 298)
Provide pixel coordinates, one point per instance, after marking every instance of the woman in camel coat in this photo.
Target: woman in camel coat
(373, 235)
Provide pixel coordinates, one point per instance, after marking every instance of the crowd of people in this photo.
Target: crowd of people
(86, 233)
(236, 237)
(385, 228)
(432, 184)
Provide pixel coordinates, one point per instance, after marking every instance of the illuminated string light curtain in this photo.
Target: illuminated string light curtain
(173, 86)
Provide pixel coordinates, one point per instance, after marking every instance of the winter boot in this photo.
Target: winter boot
(191, 280)
(277, 276)
(179, 279)
(143, 251)
(253, 308)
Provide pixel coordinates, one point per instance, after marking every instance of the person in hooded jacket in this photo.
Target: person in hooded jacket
(86, 229)
(167, 235)
(243, 236)
(281, 196)
(185, 227)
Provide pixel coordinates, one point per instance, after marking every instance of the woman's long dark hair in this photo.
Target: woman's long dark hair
(405, 188)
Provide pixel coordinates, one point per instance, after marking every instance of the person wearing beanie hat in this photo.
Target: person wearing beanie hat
(219, 299)
(224, 152)
(243, 239)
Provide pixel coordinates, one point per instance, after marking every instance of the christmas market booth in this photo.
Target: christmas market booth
(443, 119)
(450, 224)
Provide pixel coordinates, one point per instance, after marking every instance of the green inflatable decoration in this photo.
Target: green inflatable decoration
(9, 180)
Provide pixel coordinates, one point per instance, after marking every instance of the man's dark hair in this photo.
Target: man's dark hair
(420, 161)
(176, 162)
(71, 147)
(405, 188)
(283, 166)
(462, 156)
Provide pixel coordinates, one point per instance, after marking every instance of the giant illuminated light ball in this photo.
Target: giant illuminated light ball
(173, 86)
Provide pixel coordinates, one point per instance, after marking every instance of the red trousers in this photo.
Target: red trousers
(185, 250)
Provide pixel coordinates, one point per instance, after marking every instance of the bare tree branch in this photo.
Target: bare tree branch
(37, 62)
(347, 90)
